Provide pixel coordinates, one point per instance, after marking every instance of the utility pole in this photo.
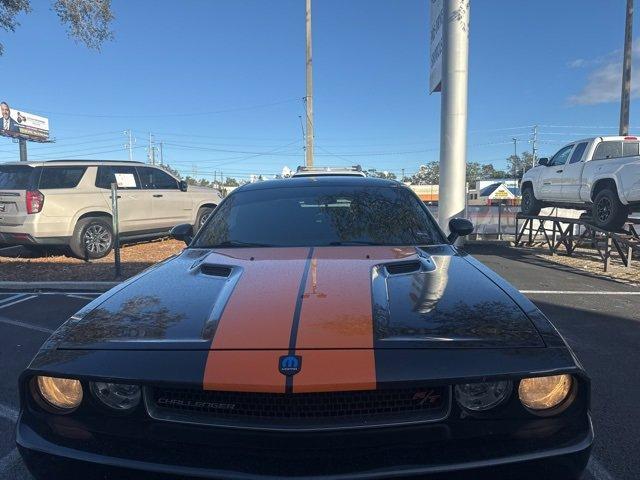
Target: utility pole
(626, 71)
(515, 156)
(309, 97)
(402, 178)
(129, 144)
(453, 115)
(152, 150)
(161, 155)
(534, 146)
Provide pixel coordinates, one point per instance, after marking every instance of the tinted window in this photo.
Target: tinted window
(156, 179)
(125, 177)
(560, 158)
(321, 216)
(630, 149)
(577, 153)
(61, 177)
(16, 177)
(608, 150)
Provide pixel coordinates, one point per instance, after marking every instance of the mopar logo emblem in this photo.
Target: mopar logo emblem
(290, 364)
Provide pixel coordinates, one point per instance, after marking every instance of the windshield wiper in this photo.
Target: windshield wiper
(237, 244)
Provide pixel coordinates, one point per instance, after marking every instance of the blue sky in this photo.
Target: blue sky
(221, 82)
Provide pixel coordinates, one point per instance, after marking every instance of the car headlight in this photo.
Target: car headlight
(121, 397)
(482, 396)
(545, 393)
(62, 394)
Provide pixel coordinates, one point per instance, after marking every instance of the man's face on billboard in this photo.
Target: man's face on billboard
(5, 110)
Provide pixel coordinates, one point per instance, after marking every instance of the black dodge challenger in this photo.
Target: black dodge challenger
(314, 327)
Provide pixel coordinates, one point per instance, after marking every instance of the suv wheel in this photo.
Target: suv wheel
(530, 204)
(92, 238)
(203, 216)
(609, 213)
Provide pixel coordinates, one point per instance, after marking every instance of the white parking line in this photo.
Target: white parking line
(576, 292)
(8, 413)
(12, 297)
(16, 323)
(74, 295)
(5, 305)
(597, 470)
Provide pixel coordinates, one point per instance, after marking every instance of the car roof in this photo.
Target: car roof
(320, 180)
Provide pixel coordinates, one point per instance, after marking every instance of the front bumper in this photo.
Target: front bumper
(552, 446)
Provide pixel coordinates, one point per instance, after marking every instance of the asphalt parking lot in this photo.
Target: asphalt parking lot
(600, 318)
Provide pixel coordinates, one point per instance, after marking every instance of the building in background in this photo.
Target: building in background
(494, 192)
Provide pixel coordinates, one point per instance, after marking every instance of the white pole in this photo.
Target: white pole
(453, 117)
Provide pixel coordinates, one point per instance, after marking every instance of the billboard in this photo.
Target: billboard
(436, 14)
(20, 124)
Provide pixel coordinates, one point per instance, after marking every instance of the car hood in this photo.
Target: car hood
(304, 299)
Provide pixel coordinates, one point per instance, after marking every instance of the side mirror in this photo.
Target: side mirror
(183, 186)
(459, 227)
(543, 161)
(183, 232)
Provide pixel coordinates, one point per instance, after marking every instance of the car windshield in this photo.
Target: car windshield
(320, 216)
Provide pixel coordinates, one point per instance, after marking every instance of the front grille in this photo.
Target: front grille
(299, 410)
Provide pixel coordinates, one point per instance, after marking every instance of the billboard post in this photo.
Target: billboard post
(23, 149)
(453, 113)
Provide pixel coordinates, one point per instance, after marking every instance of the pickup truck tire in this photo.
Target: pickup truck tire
(92, 238)
(201, 218)
(608, 212)
(530, 204)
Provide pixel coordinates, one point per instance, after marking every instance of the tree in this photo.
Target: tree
(231, 182)
(517, 165)
(87, 21)
(172, 171)
(428, 174)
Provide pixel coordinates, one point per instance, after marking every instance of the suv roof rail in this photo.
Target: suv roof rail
(94, 161)
(319, 169)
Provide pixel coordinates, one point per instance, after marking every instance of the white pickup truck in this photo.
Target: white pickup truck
(601, 175)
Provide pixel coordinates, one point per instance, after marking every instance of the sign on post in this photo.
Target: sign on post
(19, 124)
(436, 14)
(116, 230)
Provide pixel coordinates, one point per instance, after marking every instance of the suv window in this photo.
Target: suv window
(125, 177)
(60, 177)
(17, 177)
(560, 158)
(608, 150)
(630, 149)
(578, 152)
(156, 179)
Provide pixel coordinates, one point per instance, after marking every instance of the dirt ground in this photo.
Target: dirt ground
(589, 260)
(17, 264)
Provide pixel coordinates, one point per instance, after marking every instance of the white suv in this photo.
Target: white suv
(69, 203)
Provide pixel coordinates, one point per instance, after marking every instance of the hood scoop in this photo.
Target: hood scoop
(403, 267)
(215, 270)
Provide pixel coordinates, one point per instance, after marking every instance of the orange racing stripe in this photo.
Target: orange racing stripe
(258, 315)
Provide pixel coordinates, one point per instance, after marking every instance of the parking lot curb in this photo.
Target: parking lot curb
(54, 286)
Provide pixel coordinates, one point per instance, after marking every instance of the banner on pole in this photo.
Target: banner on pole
(436, 15)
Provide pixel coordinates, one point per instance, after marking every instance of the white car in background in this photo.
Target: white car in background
(601, 175)
(68, 203)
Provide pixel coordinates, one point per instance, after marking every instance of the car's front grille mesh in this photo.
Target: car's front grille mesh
(264, 409)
